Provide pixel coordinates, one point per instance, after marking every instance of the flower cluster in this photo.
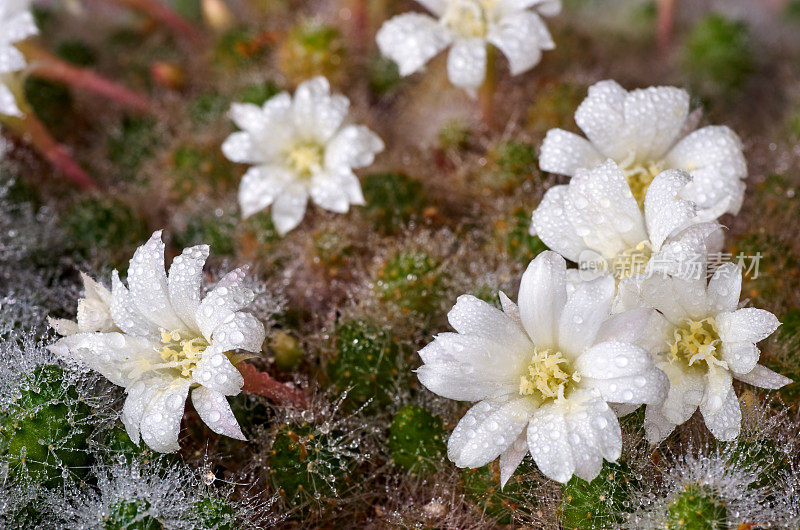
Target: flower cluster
(626, 328)
(16, 24)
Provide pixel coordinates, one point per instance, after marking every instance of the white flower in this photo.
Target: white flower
(94, 311)
(412, 39)
(16, 24)
(646, 131)
(543, 374)
(702, 342)
(169, 341)
(299, 147)
(596, 222)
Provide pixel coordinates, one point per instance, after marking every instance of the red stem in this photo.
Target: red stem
(160, 12)
(261, 383)
(34, 132)
(665, 25)
(45, 65)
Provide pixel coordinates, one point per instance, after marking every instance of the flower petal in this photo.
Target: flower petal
(487, 430)
(473, 316)
(564, 153)
(763, 377)
(289, 209)
(466, 63)
(11, 60)
(8, 102)
(550, 223)
(740, 356)
(542, 295)
(664, 213)
(649, 386)
(601, 117)
(327, 192)
(215, 412)
(612, 359)
(713, 155)
(594, 433)
(260, 185)
(654, 117)
(521, 37)
(724, 288)
(437, 7)
(216, 372)
(549, 444)
(718, 385)
(583, 314)
(725, 421)
(318, 114)
(354, 146)
(126, 314)
(656, 426)
(184, 283)
(748, 324)
(228, 296)
(161, 421)
(686, 388)
(240, 331)
(512, 457)
(147, 280)
(240, 147)
(547, 8)
(411, 40)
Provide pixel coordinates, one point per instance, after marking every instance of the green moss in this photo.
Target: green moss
(307, 464)
(416, 440)
(312, 49)
(696, 508)
(718, 56)
(482, 486)
(383, 75)
(259, 93)
(51, 101)
(217, 231)
(132, 143)
(597, 504)
(332, 250)
(238, 47)
(515, 161)
(260, 230)
(367, 362)
(103, 223)
(412, 281)
(554, 106)
(392, 200)
(77, 52)
(43, 434)
(199, 169)
(131, 515)
(208, 108)
(188, 9)
(119, 446)
(215, 513)
(514, 238)
(454, 135)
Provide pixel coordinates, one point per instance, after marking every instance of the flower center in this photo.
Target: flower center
(305, 158)
(549, 376)
(697, 341)
(468, 18)
(632, 261)
(640, 175)
(181, 351)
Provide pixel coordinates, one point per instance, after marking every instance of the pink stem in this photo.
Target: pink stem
(47, 66)
(34, 132)
(261, 383)
(160, 12)
(665, 25)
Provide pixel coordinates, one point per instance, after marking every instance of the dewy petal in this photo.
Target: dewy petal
(11, 59)
(240, 331)
(647, 387)
(161, 421)
(228, 296)
(563, 152)
(664, 213)
(718, 385)
(260, 185)
(763, 377)
(740, 356)
(585, 311)
(215, 412)
(125, 314)
(327, 193)
(654, 117)
(147, 279)
(216, 372)
(247, 117)
(8, 102)
(318, 114)
(685, 392)
(352, 187)
(240, 147)
(521, 37)
(724, 288)
(289, 209)
(613, 359)
(550, 223)
(509, 308)
(601, 117)
(542, 295)
(549, 444)
(512, 457)
(547, 8)
(411, 40)
(601, 207)
(748, 324)
(139, 395)
(626, 327)
(19, 26)
(354, 146)
(472, 315)
(594, 434)
(487, 430)
(185, 281)
(724, 422)
(656, 426)
(713, 155)
(466, 63)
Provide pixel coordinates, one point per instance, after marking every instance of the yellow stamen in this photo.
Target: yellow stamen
(640, 175)
(469, 18)
(181, 352)
(306, 158)
(696, 342)
(549, 375)
(632, 261)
